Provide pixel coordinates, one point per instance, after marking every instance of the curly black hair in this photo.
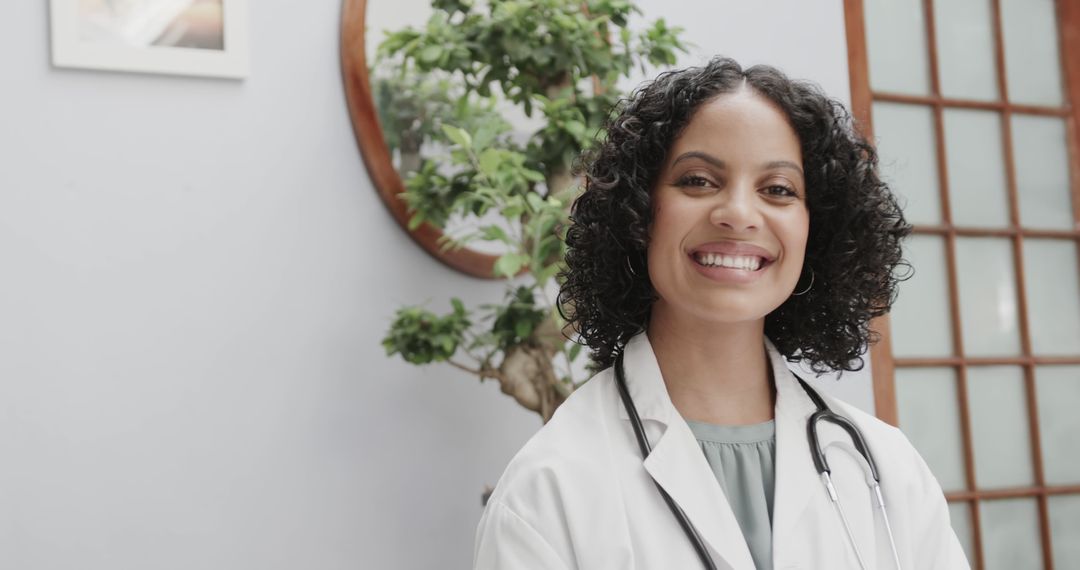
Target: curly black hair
(856, 225)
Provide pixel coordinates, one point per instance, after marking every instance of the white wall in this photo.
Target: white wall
(195, 278)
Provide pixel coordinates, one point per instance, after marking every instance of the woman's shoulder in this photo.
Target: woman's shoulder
(571, 450)
(892, 450)
(565, 467)
(867, 422)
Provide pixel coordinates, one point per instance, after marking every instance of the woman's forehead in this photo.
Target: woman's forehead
(739, 125)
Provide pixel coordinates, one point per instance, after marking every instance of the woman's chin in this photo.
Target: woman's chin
(730, 310)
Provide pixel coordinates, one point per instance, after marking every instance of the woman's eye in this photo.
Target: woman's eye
(781, 191)
(694, 180)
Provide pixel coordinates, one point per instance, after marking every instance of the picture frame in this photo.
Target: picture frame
(206, 38)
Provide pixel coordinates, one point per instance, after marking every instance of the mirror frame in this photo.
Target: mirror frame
(376, 155)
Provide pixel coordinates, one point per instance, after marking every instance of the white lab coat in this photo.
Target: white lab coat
(579, 495)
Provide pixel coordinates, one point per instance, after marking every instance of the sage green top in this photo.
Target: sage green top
(744, 461)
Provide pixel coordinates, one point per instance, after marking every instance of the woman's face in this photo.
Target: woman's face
(730, 219)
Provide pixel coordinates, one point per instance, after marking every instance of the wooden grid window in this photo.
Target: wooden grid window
(975, 107)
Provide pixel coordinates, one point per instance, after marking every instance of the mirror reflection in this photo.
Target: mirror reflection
(499, 97)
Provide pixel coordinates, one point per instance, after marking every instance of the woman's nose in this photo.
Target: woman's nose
(735, 210)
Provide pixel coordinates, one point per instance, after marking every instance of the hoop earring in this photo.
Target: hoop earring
(805, 291)
(630, 267)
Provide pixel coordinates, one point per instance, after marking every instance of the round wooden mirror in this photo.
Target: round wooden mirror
(378, 157)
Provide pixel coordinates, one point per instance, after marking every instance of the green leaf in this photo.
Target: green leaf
(547, 273)
(490, 160)
(495, 233)
(523, 329)
(457, 136)
(415, 221)
(514, 208)
(532, 175)
(509, 264)
(548, 246)
(535, 201)
(430, 54)
(513, 211)
(576, 128)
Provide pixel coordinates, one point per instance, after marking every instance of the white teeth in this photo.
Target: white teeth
(746, 263)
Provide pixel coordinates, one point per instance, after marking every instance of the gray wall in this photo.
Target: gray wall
(195, 278)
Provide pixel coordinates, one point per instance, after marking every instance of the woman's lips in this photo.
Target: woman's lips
(733, 248)
(723, 274)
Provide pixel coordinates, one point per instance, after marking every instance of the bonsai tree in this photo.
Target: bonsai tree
(556, 59)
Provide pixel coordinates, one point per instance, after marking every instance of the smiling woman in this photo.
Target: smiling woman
(732, 221)
(801, 140)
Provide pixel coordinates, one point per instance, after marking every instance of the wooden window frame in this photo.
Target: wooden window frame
(882, 361)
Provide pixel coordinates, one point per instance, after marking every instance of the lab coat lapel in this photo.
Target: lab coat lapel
(677, 463)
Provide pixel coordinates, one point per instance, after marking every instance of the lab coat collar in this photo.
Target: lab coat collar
(645, 383)
(678, 465)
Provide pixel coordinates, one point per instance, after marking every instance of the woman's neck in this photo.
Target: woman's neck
(714, 373)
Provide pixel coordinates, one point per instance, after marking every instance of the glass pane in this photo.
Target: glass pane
(1010, 534)
(987, 283)
(1053, 296)
(1058, 394)
(929, 415)
(1042, 171)
(1065, 530)
(965, 48)
(905, 135)
(960, 516)
(1000, 436)
(896, 42)
(920, 317)
(976, 168)
(1032, 64)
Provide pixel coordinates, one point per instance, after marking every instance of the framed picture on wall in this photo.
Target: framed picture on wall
(181, 37)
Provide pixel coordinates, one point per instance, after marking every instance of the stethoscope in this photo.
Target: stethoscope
(857, 447)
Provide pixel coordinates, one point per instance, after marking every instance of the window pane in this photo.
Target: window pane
(1042, 171)
(921, 323)
(908, 151)
(960, 516)
(987, 283)
(929, 415)
(1032, 64)
(976, 168)
(1058, 394)
(896, 46)
(1053, 296)
(1065, 530)
(965, 48)
(999, 426)
(1010, 534)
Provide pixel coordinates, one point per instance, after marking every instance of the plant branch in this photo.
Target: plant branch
(481, 372)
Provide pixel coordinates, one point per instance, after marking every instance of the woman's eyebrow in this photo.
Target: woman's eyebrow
(784, 164)
(703, 156)
(722, 165)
